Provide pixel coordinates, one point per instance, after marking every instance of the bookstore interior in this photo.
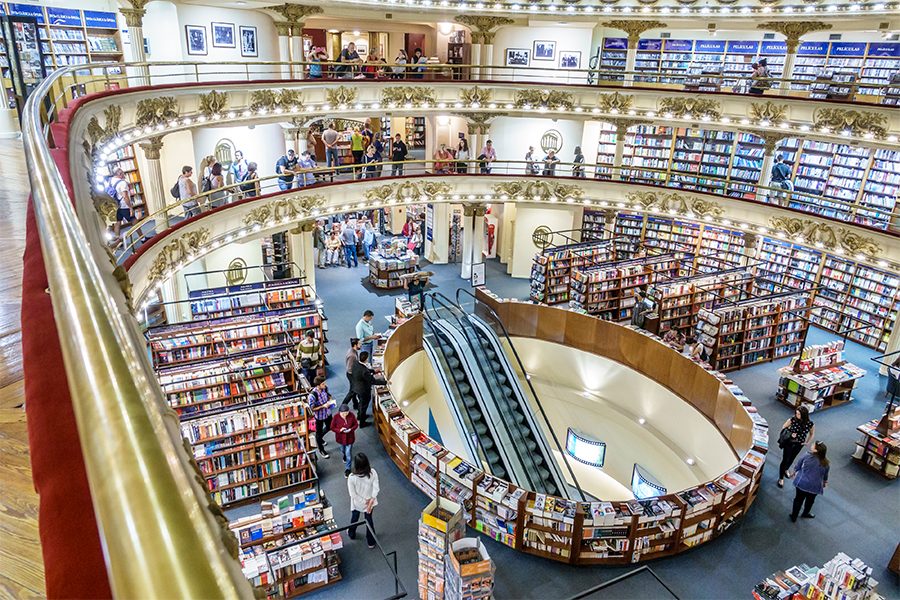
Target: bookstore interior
(581, 367)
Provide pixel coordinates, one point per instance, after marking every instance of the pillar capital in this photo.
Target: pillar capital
(283, 28)
(793, 30)
(294, 16)
(478, 123)
(770, 138)
(622, 125)
(482, 27)
(474, 210)
(134, 17)
(152, 147)
(634, 28)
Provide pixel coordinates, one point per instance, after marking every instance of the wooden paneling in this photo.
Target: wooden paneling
(404, 342)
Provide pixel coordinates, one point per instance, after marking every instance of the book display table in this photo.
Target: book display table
(387, 266)
(841, 577)
(880, 452)
(819, 378)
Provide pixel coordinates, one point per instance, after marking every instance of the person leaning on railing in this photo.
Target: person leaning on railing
(187, 192)
(250, 183)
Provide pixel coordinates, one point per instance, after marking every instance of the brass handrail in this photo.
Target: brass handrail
(672, 180)
(160, 539)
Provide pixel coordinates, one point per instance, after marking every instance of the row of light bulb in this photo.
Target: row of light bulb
(877, 7)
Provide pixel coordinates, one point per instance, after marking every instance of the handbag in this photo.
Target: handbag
(784, 437)
(306, 363)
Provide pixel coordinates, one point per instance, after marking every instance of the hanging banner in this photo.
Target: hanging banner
(649, 45)
(710, 46)
(813, 49)
(615, 43)
(63, 16)
(743, 47)
(679, 45)
(100, 20)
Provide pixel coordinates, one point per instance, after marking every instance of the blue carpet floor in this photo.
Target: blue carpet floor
(859, 514)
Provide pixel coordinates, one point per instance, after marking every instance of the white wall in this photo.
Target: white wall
(571, 37)
(512, 136)
(528, 218)
(218, 260)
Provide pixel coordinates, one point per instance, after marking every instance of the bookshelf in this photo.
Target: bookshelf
(675, 60)
(648, 57)
(811, 58)
(606, 151)
(386, 268)
(880, 189)
(819, 378)
(647, 146)
(679, 301)
(289, 547)
(552, 269)
(739, 57)
(613, 53)
(880, 452)
(469, 571)
(746, 166)
(781, 266)
(124, 159)
(720, 249)
(440, 524)
(251, 298)
(699, 152)
(415, 132)
(892, 93)
(593, 225)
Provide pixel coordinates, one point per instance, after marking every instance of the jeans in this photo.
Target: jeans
(350, 254)
(397, 170)
(323, 426)
(791, 450)
(191, 209)
(357, 161)
(332, 158)
(285, 185)
(347, 455)
(367, 249)
(310, 374)
(804, 498)
(354, 517)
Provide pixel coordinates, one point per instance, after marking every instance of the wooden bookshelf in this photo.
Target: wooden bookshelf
(386, 270)
(264, 296)
(877, 451)
(124, 159)
(552, 268)
(679, 301)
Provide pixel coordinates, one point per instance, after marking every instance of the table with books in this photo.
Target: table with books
(819, 378)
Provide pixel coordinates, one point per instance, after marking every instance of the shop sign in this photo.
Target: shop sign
(649, 45)
(813, 48)
(743, 47)
(100, 19)
(615, 43)
(27, 10)
(773, 48)
(891, 49)
(679, 45)
(429, 222)
(848, 48)
(63, 16)
(710, 46)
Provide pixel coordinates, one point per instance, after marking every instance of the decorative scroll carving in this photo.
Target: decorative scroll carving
(482, 27)
(341, 95)
(152, 147)
(156, 111)
(855, 121)
(295, 15)
(542, 190)
(475, 95)
(284, 209)
(634, 29)
(408, 94)
(112, 117)
(399, 192)
(675, 203)
(854, 243)
(479, 123)
(270, 100)
(213, 103)
(177, 250)
(134, 17)
(622, 125)
(544, 98)
(768, 111)
(822, 235)
(794, 30)
(697, 107)
(615, 102)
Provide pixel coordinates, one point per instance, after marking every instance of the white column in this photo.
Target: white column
(284, 44)
(789, 60)
(473, 238)
(154, 190)
(297, 51)
(134, 19)
(630, 59)
(620, 152)
(302, 251)
(168, 294)
(475, 72)
(751, 241)
(765, 176)
(438, 249)
(505, 240)
(487, 60)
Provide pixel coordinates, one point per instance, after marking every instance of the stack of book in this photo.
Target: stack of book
(441, 524)
(469, 571)
(818, 388)
(842, 578)
(880, 451)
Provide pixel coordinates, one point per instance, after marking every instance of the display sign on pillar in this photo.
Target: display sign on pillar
(478, 274)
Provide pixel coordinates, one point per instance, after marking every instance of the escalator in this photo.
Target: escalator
(488, 400)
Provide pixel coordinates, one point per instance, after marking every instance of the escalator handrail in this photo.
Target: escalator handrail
(459, 315)
(534, 393)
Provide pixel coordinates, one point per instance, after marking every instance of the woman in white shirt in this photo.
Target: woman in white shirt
(363, 487)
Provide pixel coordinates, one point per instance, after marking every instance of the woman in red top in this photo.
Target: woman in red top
(344, 426)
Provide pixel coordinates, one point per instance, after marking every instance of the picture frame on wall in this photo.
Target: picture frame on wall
(569, 59)
(249, 41)
(544, 50)
(223, 35)
(196, 39)
(518, 57)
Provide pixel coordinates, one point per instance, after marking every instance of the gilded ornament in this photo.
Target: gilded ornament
(156, 111)
(475, 95)
(414, 95)
(615, 102)
(683, 107)
(340, 95)
(674, 203)
(482, 27)
(805, 231)
(542, 237)
(553, 99)
(854, 243)
(258, 216)
(794, 30)
(152, 147)
(479, 123)
(295, 14)
(408, 190)
(134, 17)
(705, 208)
(213, 103)
(541, 190)
(855, 121)
(270, 100)
(112, 118)
(768, 111)
(634, 28)
(176, 251)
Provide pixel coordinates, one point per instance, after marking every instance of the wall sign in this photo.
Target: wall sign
(551, 140)
(773, 48)
(26, 10)
(542, 237)
(224, 153)
(743, 47)
(813, 48)
(429, 222)
(63, 16)
(477, 274)
(237, 271)
(710, 46)
(891, 49)
(615, 43)
(848, 48)
(100, 19)
(649, 45)
(679, 45)
(644, 485)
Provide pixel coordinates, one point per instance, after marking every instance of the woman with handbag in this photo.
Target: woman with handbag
(795, 434)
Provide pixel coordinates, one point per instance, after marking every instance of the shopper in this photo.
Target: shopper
(330, 139)
(795, 434)
(333, 250)
(217, 182)
(350, 359)
(250, 182)
(781, 178)
(642, 306)
(239, 167)
(398, 71)
(349, 59)
(344, 426)
(363, 487)
(306, 165)
(370, 160)
(398, 155)
(205, 171)
(285, 167)
(759, 78)
(578, 167)
(315, 64)
(462, 156)
(308, 356)
(319, 243)
(118, 190)
(810, 480)
(321, 404)
(362, 378)
(348, 239)
(550, 162)
(187, 192)
(380, 151)
(693, 349)
(530, 166)
(415, 290)
(365, 331)
(416, 244)
(408, 228)
(673, 338)
(357, 149)
(370, 239)
(418, 72)
(487, 157)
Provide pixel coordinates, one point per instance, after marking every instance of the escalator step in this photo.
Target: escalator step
(452, 363)
(470, 402)
(487, 443)
(500, 472)
(543, 473)
(464, 388)
(480, 429)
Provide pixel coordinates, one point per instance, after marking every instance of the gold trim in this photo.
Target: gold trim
(542, 190)
(408, 190)
(634, 28)
(857, 122)
(156, 111)
(690, 107)
(615, 102)
(176, 251)
(475, 95)
(213, 103)
(552, 99)
(152, 147)
(284, 210)
(134, 17)
(794, 30)
(112, 119)
(768, 111)
(341, 95)
(680, 204)
(414, 95)
(482, 28)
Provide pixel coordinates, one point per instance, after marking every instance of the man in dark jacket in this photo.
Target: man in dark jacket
(362, 378)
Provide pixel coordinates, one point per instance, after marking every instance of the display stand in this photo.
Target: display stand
(552, 268)
(441, 524)
(841, 577)
(387, 266)
(469, 571)
(879, 446)
(819, 378)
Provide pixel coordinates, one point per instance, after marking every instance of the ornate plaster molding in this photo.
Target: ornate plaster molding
(615, 102)
(156, 111)
(770, 138)
(552, 99)
(855, 121)
(690, 107)
(634, 28)
(134, 17)
(475, 95)
(675, 203)
(539, 190)
(768, 111)
(176, 251)
(295, 14)
(292, 208)
(112, 117)
(413, 95)
(213, 103)
(341, 95)
(270, 100)
(820, 235)
(478, 123)
(622, 125)
(793, 30)
(283, 28)
(408, 190)
(483, 28)
(152, 147)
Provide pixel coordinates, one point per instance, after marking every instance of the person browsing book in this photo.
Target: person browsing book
(321, 404)
(795, 433)
(308, 356)
(365, 331)
(350, 359)
(810, 480)
(344, 426)
(362, 378)
(363, 488)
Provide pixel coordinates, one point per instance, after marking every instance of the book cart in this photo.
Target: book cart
(570, 531)
(819, 378)
(290, 547)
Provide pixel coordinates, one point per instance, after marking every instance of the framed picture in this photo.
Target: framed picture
(223, 35)
(544, 50)
(196, 39)
(569, 60)
(248, 41)
(518, 57)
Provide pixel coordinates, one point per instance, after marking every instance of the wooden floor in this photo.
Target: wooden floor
(21, 567)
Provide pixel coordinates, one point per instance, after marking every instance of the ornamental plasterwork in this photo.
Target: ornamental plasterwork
(768, 111)
(479, 123)
(546, 98)
(820, 234)
(854, 243)
(156, 111)
(482, 27)
(112, 117)
(615, 102)
(295, 14)
(414, 95)
(176, 251)
(542, 190)
(622, 125)
(675, 203)
(854, 121)
(269, 100)
(152, 147)
(634, 29)
(213, 103)
(408, 190)
(340, 95)
(475, 95)
(793, 30)
(687, 107)
(284, 209)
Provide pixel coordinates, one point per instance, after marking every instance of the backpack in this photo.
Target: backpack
(176, 190)
(111, 189)
(205, 185)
